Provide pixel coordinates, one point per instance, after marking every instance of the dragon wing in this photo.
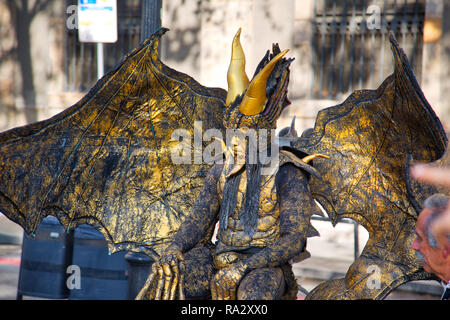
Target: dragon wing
(372, 138)
(106, 160)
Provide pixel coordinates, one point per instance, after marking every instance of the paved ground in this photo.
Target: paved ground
(332, 254)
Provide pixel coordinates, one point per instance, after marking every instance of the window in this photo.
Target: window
(351, 47)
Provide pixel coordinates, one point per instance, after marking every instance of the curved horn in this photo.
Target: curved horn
(236, 76)
(255, 97)
(314, 156)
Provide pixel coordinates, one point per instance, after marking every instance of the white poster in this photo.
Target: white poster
(97, 21)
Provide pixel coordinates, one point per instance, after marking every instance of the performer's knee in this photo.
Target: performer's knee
(262, 284)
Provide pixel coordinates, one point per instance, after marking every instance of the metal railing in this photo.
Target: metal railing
(355, 231)
(350, 43)
(80, 58)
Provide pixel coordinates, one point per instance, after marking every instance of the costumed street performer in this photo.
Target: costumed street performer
(108, 161)
(264, 219)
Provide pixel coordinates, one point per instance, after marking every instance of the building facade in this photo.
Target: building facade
(338, 45)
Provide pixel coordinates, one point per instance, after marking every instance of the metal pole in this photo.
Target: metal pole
(151, 17)
(356, 239)
(139, 265)
(100, 62)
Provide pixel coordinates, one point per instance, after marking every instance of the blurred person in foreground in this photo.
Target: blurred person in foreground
(434, 259)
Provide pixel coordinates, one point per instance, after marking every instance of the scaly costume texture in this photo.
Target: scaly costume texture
(264, 216)
(107, 161)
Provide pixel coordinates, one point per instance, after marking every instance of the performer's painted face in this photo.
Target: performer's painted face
(251, 146)
(236, 150)
(239, 147)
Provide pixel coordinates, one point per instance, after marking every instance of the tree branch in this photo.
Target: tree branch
(38, 6)
(13, 5)
(7, 54)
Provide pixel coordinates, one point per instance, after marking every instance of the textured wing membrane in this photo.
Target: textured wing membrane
(372, 138)
(107, 161)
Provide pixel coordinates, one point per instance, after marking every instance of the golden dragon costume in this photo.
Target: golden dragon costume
(264, 219)
(107, 161)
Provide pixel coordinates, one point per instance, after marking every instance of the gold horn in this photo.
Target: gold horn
(314, 156)
(236, 76)
(255, 97)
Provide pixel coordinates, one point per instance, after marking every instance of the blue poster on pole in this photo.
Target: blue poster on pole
(97, 21)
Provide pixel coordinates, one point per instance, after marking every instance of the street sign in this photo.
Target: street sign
(97, 21)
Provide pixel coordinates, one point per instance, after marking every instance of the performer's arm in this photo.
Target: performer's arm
(296, 207)
(168, 271)
(203, 214)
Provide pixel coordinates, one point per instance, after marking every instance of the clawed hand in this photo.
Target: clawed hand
(225, 283)
(168, 273)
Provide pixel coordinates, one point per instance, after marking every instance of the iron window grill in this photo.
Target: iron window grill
(80, 58)
(351, 47)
